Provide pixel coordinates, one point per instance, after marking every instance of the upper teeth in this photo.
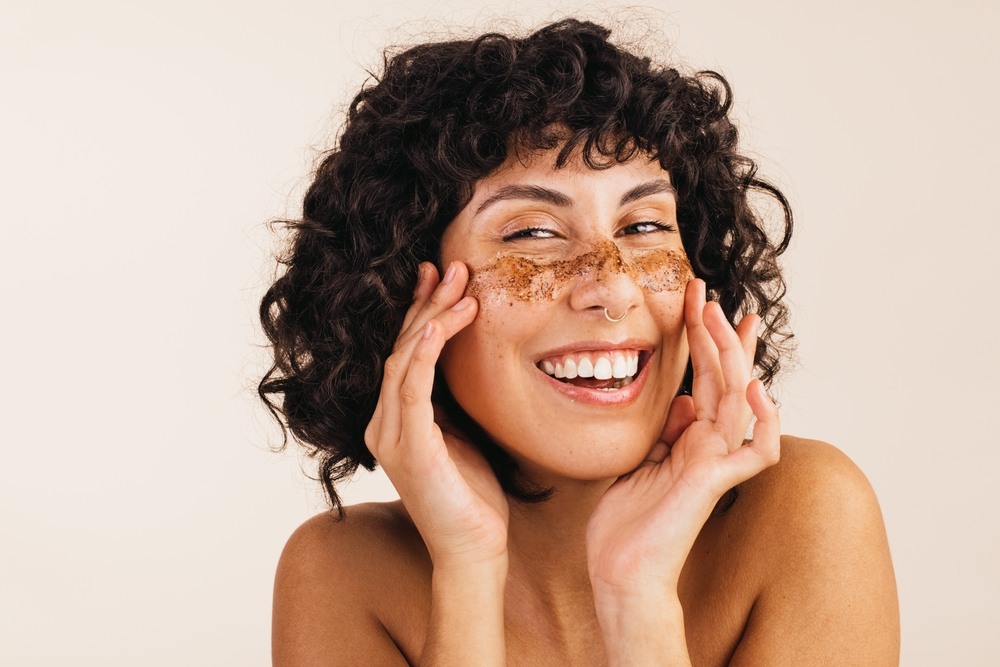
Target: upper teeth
(598, 365)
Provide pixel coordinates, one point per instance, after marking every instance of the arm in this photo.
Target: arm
(466, 624)
(331, 572)
(827, 594)
(444, 482)
(341, 585)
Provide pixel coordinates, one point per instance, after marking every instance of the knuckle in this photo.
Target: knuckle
(702, 367)
(393, 366)
(409, 395)
(436, 300)
(736, 390)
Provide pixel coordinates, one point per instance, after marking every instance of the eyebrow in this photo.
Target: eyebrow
(538, 193)
(532, 192)
(646, 189)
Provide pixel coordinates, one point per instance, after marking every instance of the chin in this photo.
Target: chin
(585, 455)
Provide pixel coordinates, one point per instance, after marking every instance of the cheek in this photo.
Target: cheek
(662, 271)
(487, 352)
(667, 310)
(508, 280)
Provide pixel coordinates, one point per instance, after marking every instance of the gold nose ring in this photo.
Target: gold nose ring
(611, 319)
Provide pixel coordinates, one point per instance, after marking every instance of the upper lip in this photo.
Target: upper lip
(597, 346)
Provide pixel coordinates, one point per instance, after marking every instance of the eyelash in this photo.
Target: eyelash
(528, 233)
(660, 227)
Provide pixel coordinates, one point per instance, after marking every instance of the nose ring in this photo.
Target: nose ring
(611, 319)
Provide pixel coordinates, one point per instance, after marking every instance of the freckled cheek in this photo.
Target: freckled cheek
(488, 349)
(667, 310)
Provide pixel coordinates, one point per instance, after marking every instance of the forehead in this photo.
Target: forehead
(538, 179)
(540, 167)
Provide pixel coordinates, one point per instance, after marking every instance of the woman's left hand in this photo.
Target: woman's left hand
(644, 526)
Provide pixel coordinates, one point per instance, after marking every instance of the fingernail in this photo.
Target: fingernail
(449, 275)
(428, 329)
(463, 304)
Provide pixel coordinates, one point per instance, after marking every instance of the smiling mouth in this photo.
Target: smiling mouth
(600, 370)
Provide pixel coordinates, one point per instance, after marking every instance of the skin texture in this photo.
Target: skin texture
(800, 562)
(508, 278)
(625, 564)
(543, 269)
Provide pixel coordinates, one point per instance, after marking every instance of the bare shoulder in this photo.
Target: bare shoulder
(351, 544)
(338, 583)
(827, 589)
(813, 483)
(815, 498)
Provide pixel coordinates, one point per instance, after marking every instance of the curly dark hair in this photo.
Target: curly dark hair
(441, 117)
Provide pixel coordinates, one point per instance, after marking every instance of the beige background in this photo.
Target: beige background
(144, 144)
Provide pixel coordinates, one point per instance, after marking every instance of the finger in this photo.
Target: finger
(734, 413)
(427, 280)
(429, 296)
(383, 430)
(681, 416)
(451, 320)
(397, 366)
(765, 447)
(767, 430)
(706, 386)
(445, 295)
(747, 331)
(657, 454)
(373, 432)
(417, 411)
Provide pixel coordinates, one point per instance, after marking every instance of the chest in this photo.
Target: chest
(716, 592)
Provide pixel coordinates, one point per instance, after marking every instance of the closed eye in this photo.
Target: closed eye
(531, 233)
(648, 227)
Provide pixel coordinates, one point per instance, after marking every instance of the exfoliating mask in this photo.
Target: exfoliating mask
(508, 278)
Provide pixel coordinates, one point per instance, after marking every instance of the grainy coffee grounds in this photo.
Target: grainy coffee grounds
(509, 278)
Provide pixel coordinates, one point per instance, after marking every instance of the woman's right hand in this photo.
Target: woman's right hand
(444, 481)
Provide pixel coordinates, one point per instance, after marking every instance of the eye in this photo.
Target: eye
(648, 227)
(531, 233)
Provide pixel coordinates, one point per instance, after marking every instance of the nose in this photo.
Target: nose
(607, 283)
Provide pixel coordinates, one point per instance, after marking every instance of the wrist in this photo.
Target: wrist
(469, 567)
(470, 584)
(466, 625)
(642, 629)
(638, 588)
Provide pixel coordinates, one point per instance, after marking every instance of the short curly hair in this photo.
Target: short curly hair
(441, 117)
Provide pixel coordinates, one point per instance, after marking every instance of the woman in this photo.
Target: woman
(529, 284)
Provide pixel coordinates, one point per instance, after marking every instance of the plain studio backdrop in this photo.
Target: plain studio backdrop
(144, 146)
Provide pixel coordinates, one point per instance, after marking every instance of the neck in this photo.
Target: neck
(547, 541)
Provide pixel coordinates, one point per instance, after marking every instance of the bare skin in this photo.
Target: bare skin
(625, 564)
(357, 592)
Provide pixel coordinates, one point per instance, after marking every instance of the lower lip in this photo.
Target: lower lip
(622, 396)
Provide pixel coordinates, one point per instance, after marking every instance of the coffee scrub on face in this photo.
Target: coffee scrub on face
(509, 278)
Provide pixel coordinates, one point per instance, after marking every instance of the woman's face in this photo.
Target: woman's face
(548, 251)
